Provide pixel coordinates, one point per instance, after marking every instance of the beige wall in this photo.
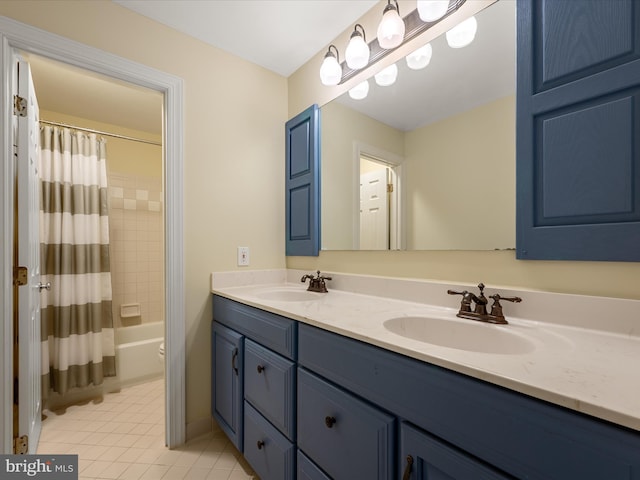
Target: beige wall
(498, 268)
(460, 180)
(341, 128)
(234, 148)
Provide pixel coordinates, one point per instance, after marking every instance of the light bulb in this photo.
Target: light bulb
(330, 70)
(432, 10)
(391, 28)
(420, 58)
(360, 91)
(357, 53)
(387, 76)
(462, 34)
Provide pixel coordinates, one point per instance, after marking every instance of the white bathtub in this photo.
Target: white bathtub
(137, 352)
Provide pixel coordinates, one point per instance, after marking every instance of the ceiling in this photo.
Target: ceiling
(260, 31)
(280, 35)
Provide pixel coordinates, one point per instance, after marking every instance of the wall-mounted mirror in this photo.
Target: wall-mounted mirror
(427, 163)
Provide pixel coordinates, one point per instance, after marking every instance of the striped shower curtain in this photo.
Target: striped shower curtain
(77, 322)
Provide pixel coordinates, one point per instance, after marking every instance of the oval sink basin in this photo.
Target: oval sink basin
(288, 295)
(461, 334)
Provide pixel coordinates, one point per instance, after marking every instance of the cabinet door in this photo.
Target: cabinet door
(578, 111)
(423, 457)
(227, 354)
(345, 436)
(302, 183)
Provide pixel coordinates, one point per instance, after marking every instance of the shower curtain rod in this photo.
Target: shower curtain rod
(99, 132)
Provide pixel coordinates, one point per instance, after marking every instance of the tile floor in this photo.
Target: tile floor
(121, 436)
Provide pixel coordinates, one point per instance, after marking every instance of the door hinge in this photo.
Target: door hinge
(21, 445)
(19, 106)
(389, 187)
(20, 276)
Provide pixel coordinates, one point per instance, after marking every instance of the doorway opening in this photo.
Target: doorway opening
(18, 37)
(129, 120)
(378, 213)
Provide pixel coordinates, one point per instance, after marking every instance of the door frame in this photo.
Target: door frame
(19, 36)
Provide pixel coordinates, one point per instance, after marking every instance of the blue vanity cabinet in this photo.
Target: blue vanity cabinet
(266, 395)
(227, 355)
(333, 407)
(577, 136)
(513, 433)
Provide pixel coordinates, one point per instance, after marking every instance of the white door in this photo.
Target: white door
(374, 211)
(26, 141)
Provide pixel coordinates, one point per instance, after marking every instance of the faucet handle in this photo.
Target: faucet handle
(496, 308)
(497, 297)
(465, 303)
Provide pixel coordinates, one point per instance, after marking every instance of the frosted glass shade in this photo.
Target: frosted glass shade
(391, 29)
(387, 76)
(330, 71)
(419, 58)
(462, 34)
(432, 10)
(357, 53)
(360, 91)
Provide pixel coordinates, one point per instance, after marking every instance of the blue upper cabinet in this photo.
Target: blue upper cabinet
(578, 130)
(302, 183)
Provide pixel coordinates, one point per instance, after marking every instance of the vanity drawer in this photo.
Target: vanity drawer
(307, 470)
(268, 329)
(269, 385)
(345, 436)
(268, 452)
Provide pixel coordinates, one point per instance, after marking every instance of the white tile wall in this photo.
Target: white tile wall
(136, 227)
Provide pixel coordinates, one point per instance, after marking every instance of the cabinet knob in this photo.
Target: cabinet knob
(260, 369)
(260, 444)
(329, 421)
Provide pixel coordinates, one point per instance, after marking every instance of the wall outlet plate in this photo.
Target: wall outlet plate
(243, 256)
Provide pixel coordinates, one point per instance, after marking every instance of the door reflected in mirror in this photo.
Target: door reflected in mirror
(442, 141)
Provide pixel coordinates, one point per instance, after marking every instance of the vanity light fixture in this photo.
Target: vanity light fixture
(360, 91)
(393, 31)
(419, 58)
(391, 27)
(432, 10)
(331, 71)
(388, 76)
(463, 34)
(357, 53)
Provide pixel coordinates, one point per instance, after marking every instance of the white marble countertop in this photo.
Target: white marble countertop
(591, 370)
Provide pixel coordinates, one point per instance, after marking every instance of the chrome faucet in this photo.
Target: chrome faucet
(479, 311)
(316, 284)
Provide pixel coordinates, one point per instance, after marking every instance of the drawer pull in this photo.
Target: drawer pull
(233, 360)
(329, 421)
(260, 368)
(407, 469)
(260, 444)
